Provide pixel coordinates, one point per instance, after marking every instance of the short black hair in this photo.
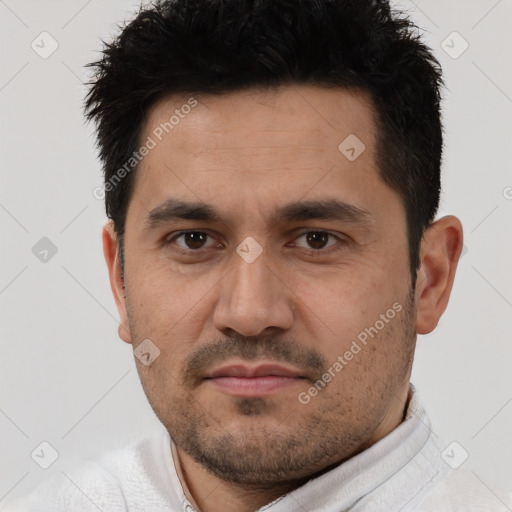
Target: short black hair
(220, 46)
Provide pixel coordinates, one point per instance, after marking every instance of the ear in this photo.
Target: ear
(439, 254)
(110, 250)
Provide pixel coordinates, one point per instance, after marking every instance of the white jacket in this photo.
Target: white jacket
(403, 472)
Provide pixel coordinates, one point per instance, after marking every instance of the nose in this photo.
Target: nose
(253, 299)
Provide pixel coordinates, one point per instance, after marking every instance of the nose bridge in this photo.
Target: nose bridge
(251, 282)
(252, 298)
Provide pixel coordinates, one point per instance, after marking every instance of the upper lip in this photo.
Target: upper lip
(241, 370)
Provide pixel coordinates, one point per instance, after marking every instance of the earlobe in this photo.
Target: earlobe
(440, 251)
(111, 253)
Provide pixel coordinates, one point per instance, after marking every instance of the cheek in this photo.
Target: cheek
(348, 294)
(171, 310)
(338, 307)
(163, 296)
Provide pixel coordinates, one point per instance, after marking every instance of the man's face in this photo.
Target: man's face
(325, 289)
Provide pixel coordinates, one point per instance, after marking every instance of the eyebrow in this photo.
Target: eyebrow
(327, 209)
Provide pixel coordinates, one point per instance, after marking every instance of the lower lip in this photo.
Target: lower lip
(254, 386)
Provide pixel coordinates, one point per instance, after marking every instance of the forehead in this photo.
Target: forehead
(307, 116)
(253, 147)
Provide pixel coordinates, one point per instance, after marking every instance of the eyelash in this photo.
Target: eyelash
(336, 247)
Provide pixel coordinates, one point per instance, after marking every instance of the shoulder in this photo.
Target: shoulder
(114, 482)
(84, 488)
(461, 490)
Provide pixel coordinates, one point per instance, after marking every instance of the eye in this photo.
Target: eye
(190, 241)
(318, 240)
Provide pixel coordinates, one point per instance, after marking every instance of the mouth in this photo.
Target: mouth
(243, 380)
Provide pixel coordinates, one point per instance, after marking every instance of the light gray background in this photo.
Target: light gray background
(67, 379)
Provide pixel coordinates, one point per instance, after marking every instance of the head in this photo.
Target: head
(272, 175)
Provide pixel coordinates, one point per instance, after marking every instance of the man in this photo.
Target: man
(272, 176)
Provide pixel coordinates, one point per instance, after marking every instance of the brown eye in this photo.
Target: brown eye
(317, 240)
(190, 241)
(194, 240)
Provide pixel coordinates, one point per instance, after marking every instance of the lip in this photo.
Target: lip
(262, 370)
(261, 380)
